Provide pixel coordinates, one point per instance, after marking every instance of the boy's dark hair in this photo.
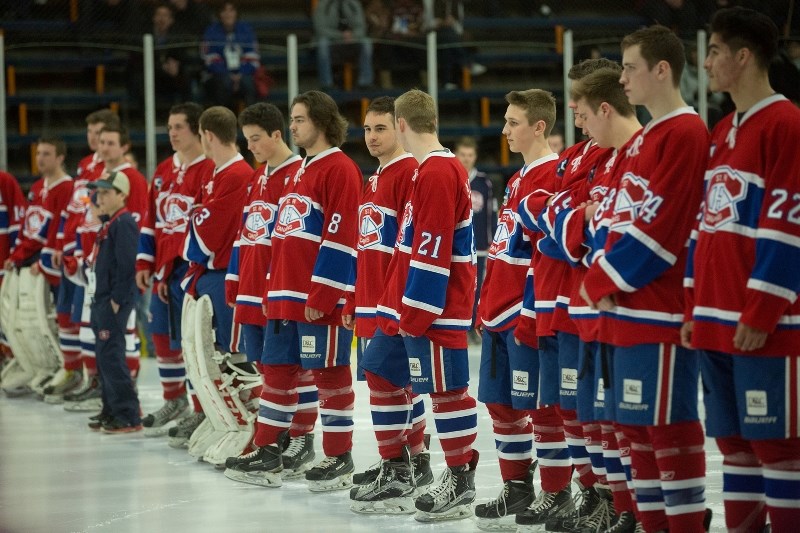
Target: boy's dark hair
(102, 116)
(466, 142)
(265, 116)
(191, 111)
(324, 113)
(124, 137)
(382, 105)
(57, 142)
(587, 66)
(220, 121)
(538, 105)
(739, 28)
(602, 86)
(658, 43)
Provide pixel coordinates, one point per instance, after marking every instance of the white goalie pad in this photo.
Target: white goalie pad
(28, 318)
(225, 392)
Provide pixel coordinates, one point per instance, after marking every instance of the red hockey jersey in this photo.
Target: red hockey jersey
(511, 250)
(748, 249)
(385, 195)
(246, 280)
(651, 213)
(45, 203)
(314, 242)
(432, 276)
(171, 196)
(215, 220)
(12, 212)
(89, 169)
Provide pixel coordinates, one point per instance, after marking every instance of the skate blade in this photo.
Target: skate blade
(300, 473)
(84, 406)
(505, 523)
(261, 479)
(16, 392)
(391, 506)
(53, 399)
(459, 512)
(159, 431)
(178, 443)
(328, 485)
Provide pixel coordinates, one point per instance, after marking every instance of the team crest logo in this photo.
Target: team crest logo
(158, 181)
(597, 193)
(634, 201)
(173, 211)
(35, 220)
(477, 201)
(79, 199)
(371, 220)
(506, 225)
(725, 189)
(256, 225)
(292, 215)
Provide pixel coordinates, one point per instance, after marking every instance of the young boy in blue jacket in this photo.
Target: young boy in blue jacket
(112, 286)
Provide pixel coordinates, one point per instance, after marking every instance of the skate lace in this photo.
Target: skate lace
(296, 446)
(543, 501)
(600, 519)
(446, 487)
(620, 526)
(328, 462)
(190, 420)
(581, 502)
(499, 503)
(250, 455)
(168, 409)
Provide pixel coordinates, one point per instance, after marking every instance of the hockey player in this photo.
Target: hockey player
(209, 242)
(744, 307)
(175, 185)
(636, 283)
(69, 302)
(12, 211)
(312, 266)
(603, 111)
(46, 199)
(397, 413)
(509, 377)
(428, 300)
(484, 215)
(246, 281)
(48, 196)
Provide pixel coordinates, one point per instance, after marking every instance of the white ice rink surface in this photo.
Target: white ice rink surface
(58, 476)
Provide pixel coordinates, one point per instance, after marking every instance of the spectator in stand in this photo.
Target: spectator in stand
(230, 53)
(402, 22)
(172, 73)
(191, 17)
(173, 83)
(340, 27)
(446, 18)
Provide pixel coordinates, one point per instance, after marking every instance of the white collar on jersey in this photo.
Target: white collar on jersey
(234, 159)
(544, 159)
(438, 153)
(686, 110)
(123, 166)
(768, 101)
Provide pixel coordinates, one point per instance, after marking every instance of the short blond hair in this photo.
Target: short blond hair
(418, 109)
(538, 105)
